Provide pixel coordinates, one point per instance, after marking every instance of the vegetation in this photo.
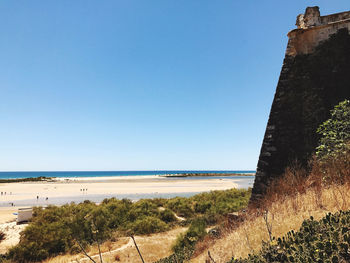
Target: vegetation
(73, 227)
(210, 206)
(335, 131)
(177, 257)
(326, 240)
(205, 174)
(188, 240)
(185, 243)
(31, 179)
(2, 236)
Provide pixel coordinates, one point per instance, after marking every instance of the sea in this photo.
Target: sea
(79, 174)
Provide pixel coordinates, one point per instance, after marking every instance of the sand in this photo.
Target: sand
(96, 189)
(9, 227)
(6, 214)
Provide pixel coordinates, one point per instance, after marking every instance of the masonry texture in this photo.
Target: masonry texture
(315, 76)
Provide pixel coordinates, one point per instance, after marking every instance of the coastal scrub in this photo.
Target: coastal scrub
(73, 227)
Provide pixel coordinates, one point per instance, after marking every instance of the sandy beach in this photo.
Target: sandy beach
(9, 227)
(66, 190)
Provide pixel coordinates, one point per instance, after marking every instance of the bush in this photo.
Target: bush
(326, 240)
(142, 208)
(31, 251)
(216, 204)
(195, 233)
(167, 216)
(148, 225)
(181, 206)
(202, 207)
(2, 236)
(119, 211)
(335, 131)
(177, 257)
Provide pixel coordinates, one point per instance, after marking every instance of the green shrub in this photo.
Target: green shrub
(335, 132)
(181, 206)
(167, 215)
(30, 251)
(202, 207)
(118, 210)
(148, 225)
(177, 257)
(195, 233)
(2, 236)
(215, 204)
(142, 208)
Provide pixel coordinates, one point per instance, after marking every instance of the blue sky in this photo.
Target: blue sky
(140, 85)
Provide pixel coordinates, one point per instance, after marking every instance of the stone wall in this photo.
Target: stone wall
(313, 29)
(315, 76)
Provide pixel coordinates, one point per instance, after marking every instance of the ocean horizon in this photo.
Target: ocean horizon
(78, 174)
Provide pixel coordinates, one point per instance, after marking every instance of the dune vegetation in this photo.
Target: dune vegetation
(72, 228)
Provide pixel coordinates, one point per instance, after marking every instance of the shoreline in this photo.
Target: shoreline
(67, 190)
(206, 175)
(119, 177)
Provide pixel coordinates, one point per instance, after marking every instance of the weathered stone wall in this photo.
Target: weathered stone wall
(335, 17)
(313, 29)
(313, 80)
(304, 41)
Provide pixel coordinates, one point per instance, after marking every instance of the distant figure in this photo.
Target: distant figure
(46, 198)
(1, 193)
(37, 198)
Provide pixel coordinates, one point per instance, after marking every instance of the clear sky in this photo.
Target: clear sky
(140, 85)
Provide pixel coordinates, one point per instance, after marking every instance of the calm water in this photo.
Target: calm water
(14, 175)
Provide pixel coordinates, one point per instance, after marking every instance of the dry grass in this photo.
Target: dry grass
(285, 215)
(93, 250)
(292, 199)
(152, 247)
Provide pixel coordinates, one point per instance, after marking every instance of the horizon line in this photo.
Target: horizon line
(160, 170)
